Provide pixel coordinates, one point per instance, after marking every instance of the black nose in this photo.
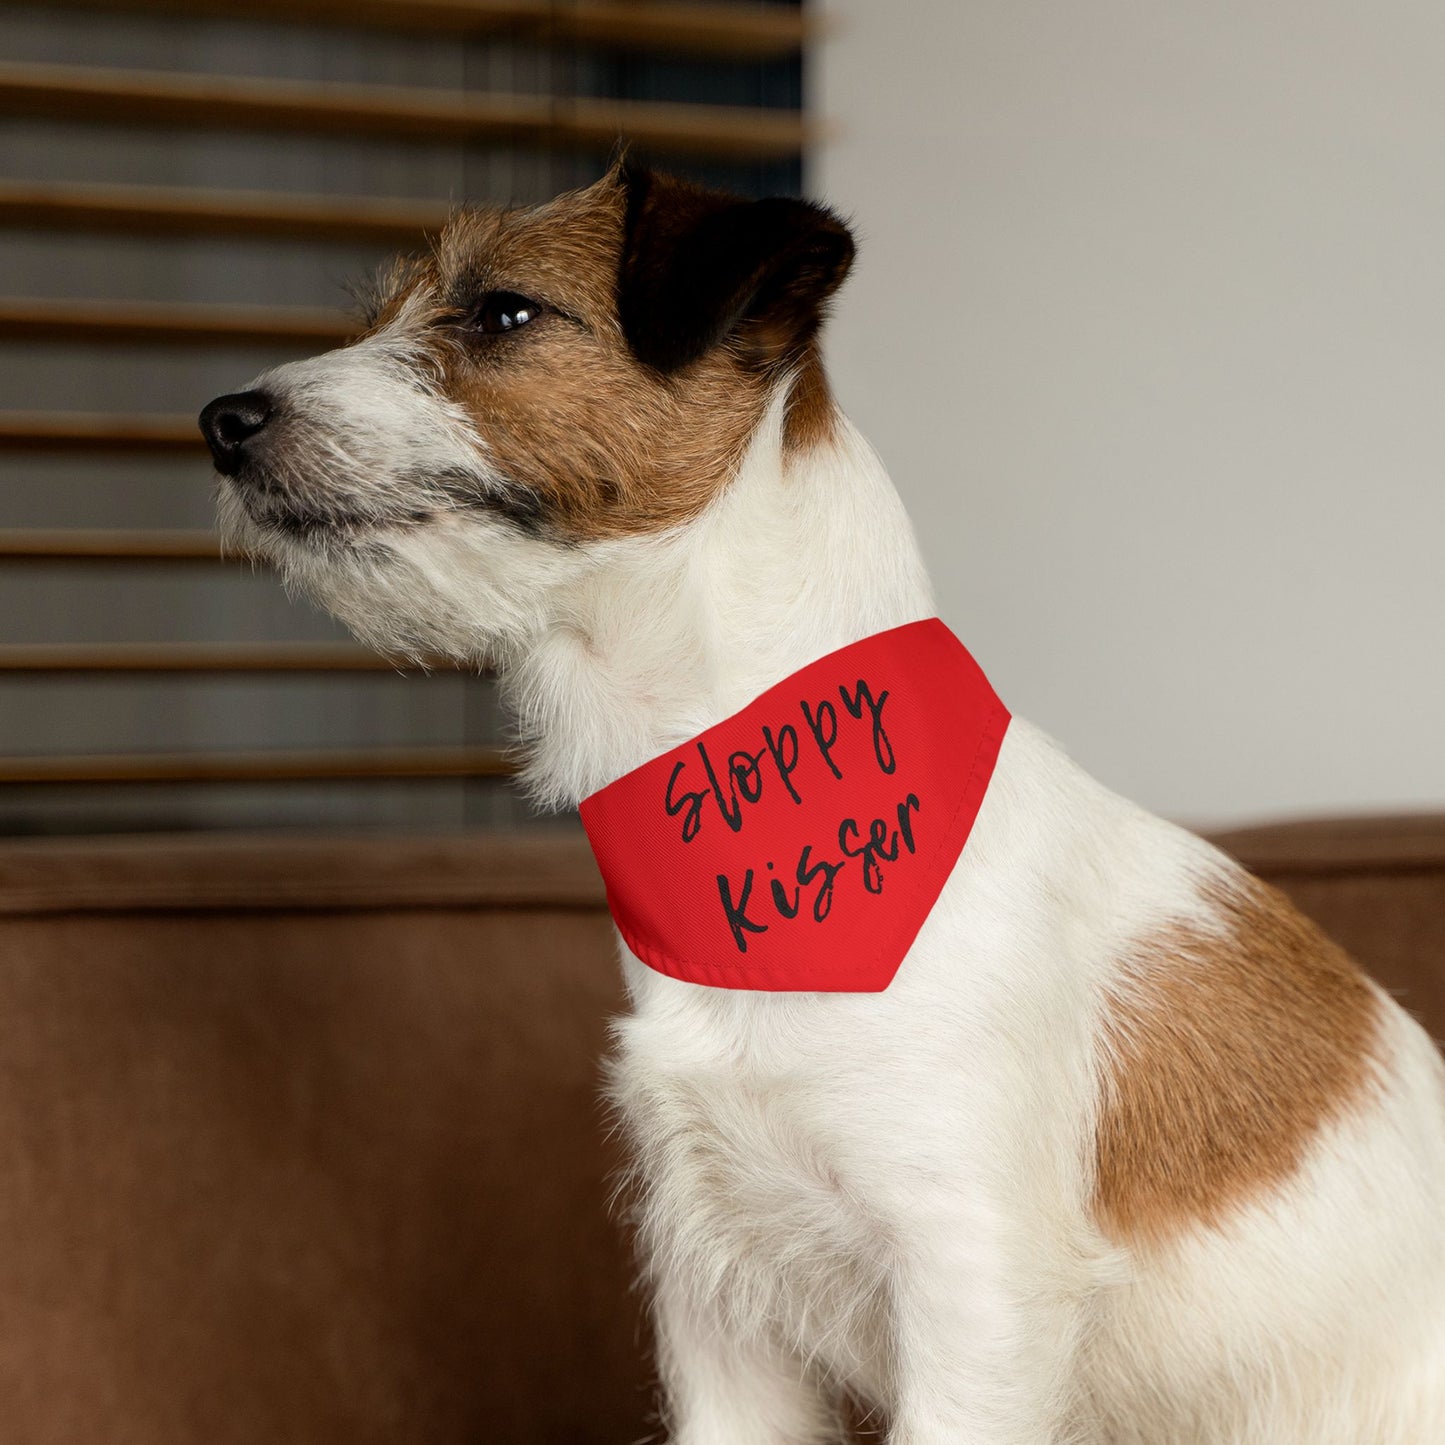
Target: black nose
(229, 422)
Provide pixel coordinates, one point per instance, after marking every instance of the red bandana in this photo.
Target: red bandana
(800, 843)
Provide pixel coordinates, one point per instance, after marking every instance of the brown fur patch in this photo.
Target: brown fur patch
(811, 415)
(1227, 1052)
(606, 445)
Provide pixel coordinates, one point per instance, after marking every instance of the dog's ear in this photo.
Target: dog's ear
(699, 266)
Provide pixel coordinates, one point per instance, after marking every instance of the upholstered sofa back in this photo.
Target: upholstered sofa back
(300, 1138)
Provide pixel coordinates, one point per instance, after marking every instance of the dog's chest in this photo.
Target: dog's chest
(747, 1188)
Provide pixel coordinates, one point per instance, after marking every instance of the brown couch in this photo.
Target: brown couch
(302, 1143)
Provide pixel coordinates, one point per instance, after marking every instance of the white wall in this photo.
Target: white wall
(1149, 324)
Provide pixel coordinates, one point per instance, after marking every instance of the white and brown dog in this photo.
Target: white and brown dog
(1127, 1152)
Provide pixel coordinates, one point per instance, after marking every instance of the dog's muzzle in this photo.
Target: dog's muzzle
(231, 422)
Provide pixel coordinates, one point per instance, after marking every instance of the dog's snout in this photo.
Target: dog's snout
(229, 422)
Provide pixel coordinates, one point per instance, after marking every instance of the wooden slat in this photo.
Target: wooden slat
(754, 31)
(77, 431)
(174, 211)
(331, 765)
(759, 32)
(171, 323)
(292, 869)
(222, 102)
(190, 657)
(81, 544)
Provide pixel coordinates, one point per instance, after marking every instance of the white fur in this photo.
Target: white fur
(889, 1193)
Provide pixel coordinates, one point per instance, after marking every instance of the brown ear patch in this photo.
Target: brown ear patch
(700, 267)
(594, 431)
(1225, 1054)
(599, 443)
(811, 419)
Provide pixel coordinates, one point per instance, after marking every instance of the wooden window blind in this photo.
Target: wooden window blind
(186, 186)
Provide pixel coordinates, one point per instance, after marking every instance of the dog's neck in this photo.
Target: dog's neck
(803, 553)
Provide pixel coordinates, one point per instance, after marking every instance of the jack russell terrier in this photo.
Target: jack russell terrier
(956, 1085)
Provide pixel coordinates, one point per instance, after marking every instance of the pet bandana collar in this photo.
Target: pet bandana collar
(800, 843)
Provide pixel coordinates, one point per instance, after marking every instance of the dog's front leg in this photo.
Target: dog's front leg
(722, 1386)
(985, 1337)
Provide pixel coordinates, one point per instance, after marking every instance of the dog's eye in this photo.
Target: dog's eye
(504, 311)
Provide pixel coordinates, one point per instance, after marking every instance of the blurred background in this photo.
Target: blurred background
(1149, 324)
(187, 193)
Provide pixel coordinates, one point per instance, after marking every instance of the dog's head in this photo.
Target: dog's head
(542, 384)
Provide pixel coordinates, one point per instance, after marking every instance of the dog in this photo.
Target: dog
(1126, 1152)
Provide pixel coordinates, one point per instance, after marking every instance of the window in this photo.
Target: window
(185, 193)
